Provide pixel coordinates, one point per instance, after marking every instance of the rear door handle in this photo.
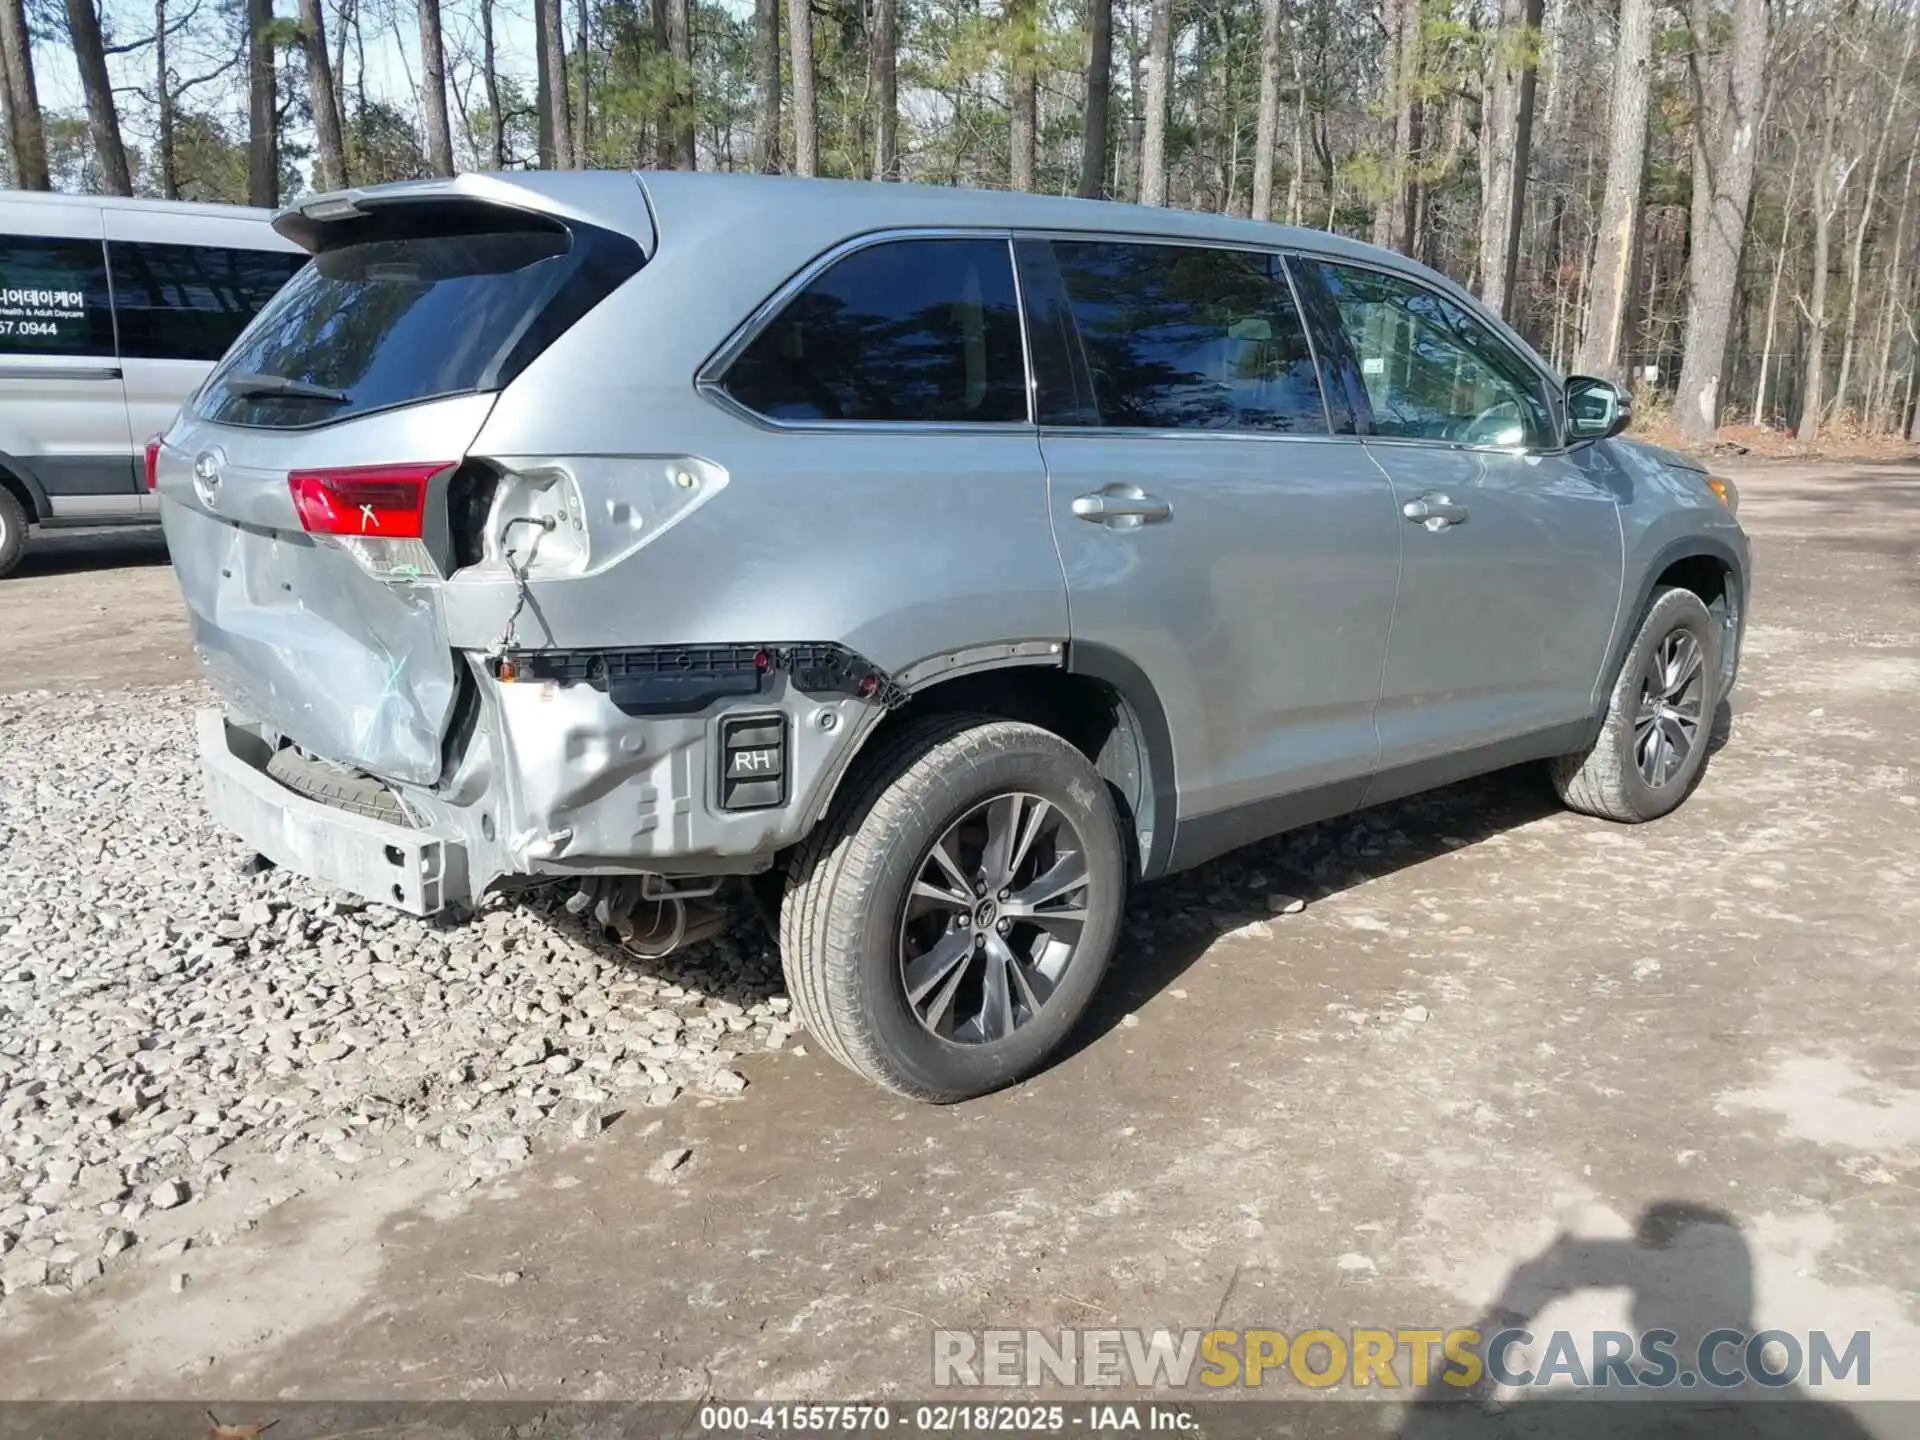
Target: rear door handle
(1435, 511)
(1122, 507)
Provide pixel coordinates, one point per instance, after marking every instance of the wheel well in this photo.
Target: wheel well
(1704, 575)
(1088, 713)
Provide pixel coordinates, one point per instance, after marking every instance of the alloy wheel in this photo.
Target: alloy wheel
(993, 919)
(1667, 724)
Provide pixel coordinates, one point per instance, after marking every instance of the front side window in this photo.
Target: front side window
(53, 297)
(910, 331)
(1181, 337)
(190, 302)
(1431, 370)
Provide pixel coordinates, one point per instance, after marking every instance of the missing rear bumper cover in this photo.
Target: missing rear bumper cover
(681, 679)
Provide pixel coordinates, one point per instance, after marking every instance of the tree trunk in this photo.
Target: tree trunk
(806, 108)
(583, 114)
(1507, 141)
(1858, 253)
(1094, 119)
(1266, 128)
(1619, 209)
(886, 89)
(331, 160)
(680, 47)
(1880, 391)
(163, 105)
(1722, 194)
(263, 108)
(1773, 293)
(1297, 181)
(490, 77)
(766, 84)
(1153, 142)
(550, 36)
(1396, 212)
(24, 132)
(1830, 174)
(433, 89)
(90, 55)
(1024, 93)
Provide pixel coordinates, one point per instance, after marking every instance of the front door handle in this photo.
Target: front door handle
(1435, 511)
(1122, 507)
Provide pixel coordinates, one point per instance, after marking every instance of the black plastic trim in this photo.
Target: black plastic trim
(1685, 547)
(1131, 683)
(686, 679)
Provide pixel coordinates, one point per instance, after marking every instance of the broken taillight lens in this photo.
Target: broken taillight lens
(153, 463)
(376, 513)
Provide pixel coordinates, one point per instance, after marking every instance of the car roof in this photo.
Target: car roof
(137, 203)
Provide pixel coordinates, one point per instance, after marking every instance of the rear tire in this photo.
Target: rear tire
(884, 961)
(1653, 744)
(343, 790)
(13, 531)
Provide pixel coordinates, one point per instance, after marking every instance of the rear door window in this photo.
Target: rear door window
(1183, 337)
(387, 316)
(53, 297)
(904, 331)
(190, 302)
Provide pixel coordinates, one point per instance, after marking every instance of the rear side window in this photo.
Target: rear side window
(389, 317)
(190, 302)
(1181, 337)
(921, 331)
(53, 297)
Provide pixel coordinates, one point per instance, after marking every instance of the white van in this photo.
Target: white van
(112, 311)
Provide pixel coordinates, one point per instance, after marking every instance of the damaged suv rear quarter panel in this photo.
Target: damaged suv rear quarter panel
(799, 540)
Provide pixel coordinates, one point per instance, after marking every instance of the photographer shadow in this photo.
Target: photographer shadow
(1689, 1271)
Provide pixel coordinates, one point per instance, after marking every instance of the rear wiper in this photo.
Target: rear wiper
(260, 387)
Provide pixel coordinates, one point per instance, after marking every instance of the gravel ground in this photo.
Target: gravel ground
(175, 1028)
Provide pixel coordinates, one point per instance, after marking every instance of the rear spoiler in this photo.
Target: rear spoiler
(611, 200)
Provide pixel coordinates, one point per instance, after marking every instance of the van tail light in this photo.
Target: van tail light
(153, 463)
(377, 513)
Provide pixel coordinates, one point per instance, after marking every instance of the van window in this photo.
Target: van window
(921, 331)
(1182, 337)
(53, 297)
(190, 302)
(1431, 370)
(412, 303)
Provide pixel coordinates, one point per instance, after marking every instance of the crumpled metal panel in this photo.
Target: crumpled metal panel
(300, 638)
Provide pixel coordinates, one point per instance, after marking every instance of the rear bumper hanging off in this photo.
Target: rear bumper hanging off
(414, 870)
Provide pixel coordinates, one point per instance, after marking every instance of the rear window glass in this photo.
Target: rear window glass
(389, 320)
(905, 331)
(190, 302)
(53, 297)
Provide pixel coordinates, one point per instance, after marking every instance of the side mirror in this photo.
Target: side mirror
(1596, 409)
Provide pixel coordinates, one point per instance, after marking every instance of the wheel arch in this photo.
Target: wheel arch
(25, 487)
(1708, 565)
(1092, 697)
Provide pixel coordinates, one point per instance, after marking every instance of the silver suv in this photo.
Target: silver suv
(942, 561)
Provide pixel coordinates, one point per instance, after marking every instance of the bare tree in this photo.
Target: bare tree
(1599, 352)
(1153, 141)
(103, 120)
(680, 47)
(1729, 116)
(1830, 174)
(1267, 125)
(1773, 291)
(263, 108)
(329, 132)
(1508, 148)
(583, 112)
(884, 75)
(551, 38)
(163, 105)
(1094, 119)
(1396, 215)
(1024, 92)
(433, 88)
(24, 133)
(806, 107)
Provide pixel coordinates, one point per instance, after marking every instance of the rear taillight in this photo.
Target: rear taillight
(153, 463)
(388, 502)
(376, 513)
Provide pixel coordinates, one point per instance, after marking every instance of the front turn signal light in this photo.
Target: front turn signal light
(1725, 492)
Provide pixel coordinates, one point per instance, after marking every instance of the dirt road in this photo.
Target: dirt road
(1493, 1024)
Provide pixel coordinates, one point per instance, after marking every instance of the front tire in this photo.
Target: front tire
(946, 925)
(1653, 743)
